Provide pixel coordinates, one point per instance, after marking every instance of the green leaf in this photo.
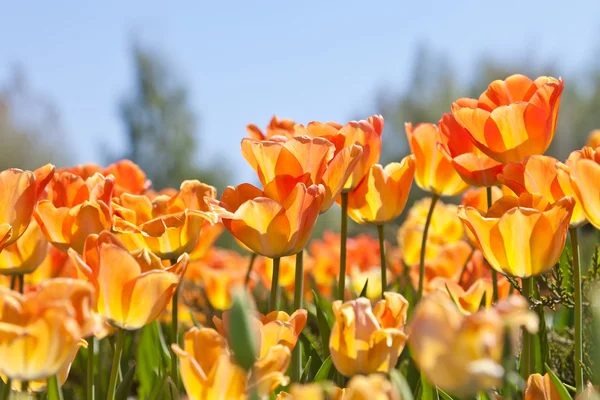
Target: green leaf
(401, 385)
(125, 386)
(157, 389)
(148, 359)
(483, 396)
(562, 390)
(323, 372)
(428, 391)
(306, 371)
(170, 389)
(324, 326)
(444, 395)
(363, 292)
(241, 335)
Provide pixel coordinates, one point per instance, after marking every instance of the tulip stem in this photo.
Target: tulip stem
(274, 303)
(6, 389)
(578, 311)
(175, 332)
(298, 291)
(383, 263)
(434, 200)
(90, 369)
(344, 236)
(21, 279)
(526, 352)
(112, 385)
(54, 389)
(249, 272)
(494, 273)
(13, 280)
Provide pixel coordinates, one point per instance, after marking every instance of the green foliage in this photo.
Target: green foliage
(241, 337)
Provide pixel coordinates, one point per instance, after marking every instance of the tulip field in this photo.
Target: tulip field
(490, 289)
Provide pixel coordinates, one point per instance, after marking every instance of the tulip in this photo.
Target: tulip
(26, 254)
(463, 354)
(281, 165)
(278, 129)
(477, 198)
(75, 209)
(167, 226)
(540, 387)
(56, 264)
(19, 191)
(365, 340)
(374, 386)
(132, 289)
(584, 168)
(512, 119)
(545, 176)
(474, 167)
(270, 228)
(41, 329)
(434, 172)
(381, 196)
(478, 268)
(208, 236)
(521, 236)
(593, 139)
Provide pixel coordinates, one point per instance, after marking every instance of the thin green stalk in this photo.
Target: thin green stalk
(274, 303)
(383, 262)
(249, 272)
(298, 292)
(24, 386)
(13, 280)
(527, 356)
(344, 236)
(54, 389)
(175, 332)
(494, 273)
(6, 391)
(91, 390)
(112, 385)
(578, 311)
(434, 200)
(21, 278)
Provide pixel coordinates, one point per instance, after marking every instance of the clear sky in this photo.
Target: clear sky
(244, 61)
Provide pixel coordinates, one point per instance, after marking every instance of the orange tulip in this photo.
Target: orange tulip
(477, 198)
(514, 118)
(479, 269)
(542, 175)
(280, 165)
(167, 226)
(76, 208)
(434, 172)
(41, 329)
(367, 134)
(132, 289)
(521, 236)
(593, 139)
(56, 264)
(584, 170)
(19, 192)
(267, 227)
(472, 165)
(365, 340)
(129, 177)
(381, 196)
(26, 254)
(278, 129)
(540, 387)
(208, 236)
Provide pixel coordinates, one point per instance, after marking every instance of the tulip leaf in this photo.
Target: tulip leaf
(306, 371)
(125, 386)
(324, 326)
(170, 389)
(483, 396)
(241, 338)
(401, 385)
(323, 372)
(444, 395)
(148, 359)
(363, 292)
(157, 390)
(562, 390)
(428, 391)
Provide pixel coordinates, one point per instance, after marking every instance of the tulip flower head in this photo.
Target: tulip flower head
(278, 129)
(593, 139)
(520, 236)
(365, 340)
(266, 226)
(19, 193)
(584, 169)
(514, 118)
(434, 172)
(26, 254)
(281, 165)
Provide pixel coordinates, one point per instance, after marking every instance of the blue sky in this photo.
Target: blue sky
(243, 61)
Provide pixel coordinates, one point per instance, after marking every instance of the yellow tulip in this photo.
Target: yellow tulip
(365, 340)
(584, 169)
(26, 254)
(540, 387)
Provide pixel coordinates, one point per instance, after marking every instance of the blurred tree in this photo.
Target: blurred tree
(30, 130)
(161, 127)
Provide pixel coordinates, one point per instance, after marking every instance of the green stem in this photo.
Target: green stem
(383, 262)
(298, 292)
(249, 272)
(578, 311)
(21, 278)
(91, 390)
(526, 353)
(274, 303)
(24, 386)
(112, 385)
(54, 389)
(175, 332)
(6, 391)
(494, 273)
(434, 200)
(344, 236)
(13, 280)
